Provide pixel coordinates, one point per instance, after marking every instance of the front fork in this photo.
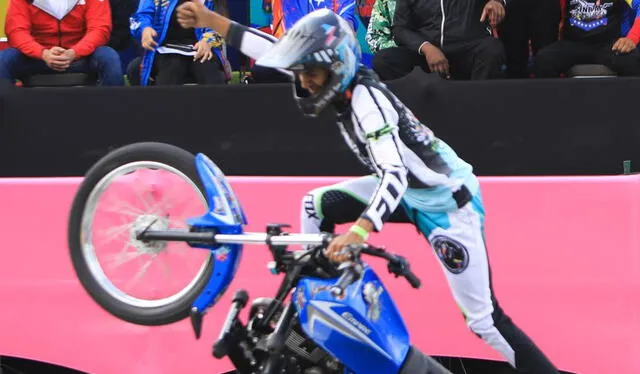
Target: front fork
(269, 347)
(234, 333)
(275, 342)
(234, 340)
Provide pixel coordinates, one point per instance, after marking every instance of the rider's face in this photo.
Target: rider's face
(313, 79)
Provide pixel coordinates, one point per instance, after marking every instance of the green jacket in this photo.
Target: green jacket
(379, 30)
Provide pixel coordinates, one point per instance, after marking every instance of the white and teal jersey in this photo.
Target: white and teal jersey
(410, 161)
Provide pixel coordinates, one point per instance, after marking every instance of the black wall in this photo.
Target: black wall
(538, 127)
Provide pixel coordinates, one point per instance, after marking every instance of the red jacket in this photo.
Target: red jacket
(31, 30)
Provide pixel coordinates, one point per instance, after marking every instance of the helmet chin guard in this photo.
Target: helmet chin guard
(312, 105)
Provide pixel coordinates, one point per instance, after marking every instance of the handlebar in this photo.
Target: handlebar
(352, 270)
(413, 280)
(396, 265)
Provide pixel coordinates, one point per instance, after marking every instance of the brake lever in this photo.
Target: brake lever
(355, 250)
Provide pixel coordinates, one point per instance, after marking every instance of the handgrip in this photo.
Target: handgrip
(413, 280)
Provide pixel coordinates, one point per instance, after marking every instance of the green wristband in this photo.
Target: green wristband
(360, 231)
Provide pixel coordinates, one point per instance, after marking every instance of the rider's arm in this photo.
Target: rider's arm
(378, 121)
(249, 41)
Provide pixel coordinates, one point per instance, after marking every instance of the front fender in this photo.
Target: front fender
(224, 216)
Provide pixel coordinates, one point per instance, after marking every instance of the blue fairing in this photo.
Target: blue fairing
(225, 216)
(366, 338)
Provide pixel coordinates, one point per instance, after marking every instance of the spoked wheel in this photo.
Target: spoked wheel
(143, 185)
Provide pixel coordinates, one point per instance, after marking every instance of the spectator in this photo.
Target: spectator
(379, 34)
(286, 13)
(121, 11)
(535, 21)
(593, 35)
(452, 38)
(50, 37)
(172, 53)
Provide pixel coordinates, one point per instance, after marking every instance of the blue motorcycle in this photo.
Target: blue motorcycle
(324, 318)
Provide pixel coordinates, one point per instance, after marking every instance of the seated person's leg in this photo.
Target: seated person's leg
(544, 21)
(557, 58)
(487, 58)
(171, 68)
(261, 74)
(514, 35)
(396, 62)
(133, 71)
(106, 62)
(208, 72)
(14, 65)
(623, 64)
(10, 59)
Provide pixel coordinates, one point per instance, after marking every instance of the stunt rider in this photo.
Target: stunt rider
(417, 177)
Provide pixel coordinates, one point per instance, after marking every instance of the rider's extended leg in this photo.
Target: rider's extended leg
(324, 207)
(457, 239)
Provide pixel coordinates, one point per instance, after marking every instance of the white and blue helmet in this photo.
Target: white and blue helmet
(319, 39)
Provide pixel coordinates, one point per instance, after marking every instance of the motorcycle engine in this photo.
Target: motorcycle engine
(310, 357)
(302, 355)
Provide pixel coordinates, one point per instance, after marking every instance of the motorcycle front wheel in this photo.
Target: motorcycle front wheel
(142, 185)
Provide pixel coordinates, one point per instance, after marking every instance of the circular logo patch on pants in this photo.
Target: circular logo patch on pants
(453, 255)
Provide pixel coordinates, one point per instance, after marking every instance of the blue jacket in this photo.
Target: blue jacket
(157, 14)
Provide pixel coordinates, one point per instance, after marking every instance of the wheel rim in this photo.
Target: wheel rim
(155, 249)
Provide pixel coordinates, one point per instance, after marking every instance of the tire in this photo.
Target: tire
(417, 362)
(161, 153)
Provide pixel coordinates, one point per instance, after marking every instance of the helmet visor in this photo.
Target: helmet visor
(293, 52)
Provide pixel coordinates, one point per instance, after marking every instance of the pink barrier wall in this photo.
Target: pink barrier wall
(564, 253)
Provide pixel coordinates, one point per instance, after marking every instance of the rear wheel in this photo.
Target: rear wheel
(142, 185)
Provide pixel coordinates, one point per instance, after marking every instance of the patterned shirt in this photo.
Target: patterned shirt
(379, 30)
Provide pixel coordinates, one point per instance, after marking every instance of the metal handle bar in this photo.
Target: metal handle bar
(260, 238)
(397, 264)
(244, 238)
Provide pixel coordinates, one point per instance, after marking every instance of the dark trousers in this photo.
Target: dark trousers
(527, 20)
(475, 60)
(557, 58)
(104, 61)
(175, 69)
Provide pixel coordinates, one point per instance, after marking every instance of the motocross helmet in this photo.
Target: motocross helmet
(319, 39)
